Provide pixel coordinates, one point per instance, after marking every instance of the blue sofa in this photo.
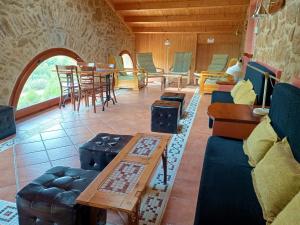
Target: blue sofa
(254, 74)
(7, 121)
(226, 193)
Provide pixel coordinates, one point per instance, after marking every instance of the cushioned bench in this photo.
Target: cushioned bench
(226, 194)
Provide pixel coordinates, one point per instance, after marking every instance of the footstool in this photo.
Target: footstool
(51, 198)
(165, 116)
(7, 121)
(173, 96)
(97, 153)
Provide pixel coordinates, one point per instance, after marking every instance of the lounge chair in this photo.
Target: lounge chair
(181, 67)
(209, 79)
(145, 63)
(128, 77)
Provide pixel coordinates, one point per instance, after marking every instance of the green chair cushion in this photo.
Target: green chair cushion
(145, 61)
(182, 62)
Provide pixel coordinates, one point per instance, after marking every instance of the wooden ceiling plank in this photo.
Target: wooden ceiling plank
(194, 29)
(192, 18)
(178, 4)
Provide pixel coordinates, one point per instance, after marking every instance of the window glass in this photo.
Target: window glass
(43, 84)
(127, 61)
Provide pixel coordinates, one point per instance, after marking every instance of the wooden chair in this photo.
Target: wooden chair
(128, 77)
(209, 79)
(69, 84)
(181, 67)
(146, 64)
(90, 85)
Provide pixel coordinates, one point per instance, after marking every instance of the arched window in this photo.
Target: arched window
(127, 61)
(43, 83)
(37, 87)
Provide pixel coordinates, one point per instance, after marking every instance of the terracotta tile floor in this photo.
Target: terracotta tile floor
(56, 135)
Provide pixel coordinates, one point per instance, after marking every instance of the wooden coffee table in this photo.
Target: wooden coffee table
(233, 120)
(120, 186)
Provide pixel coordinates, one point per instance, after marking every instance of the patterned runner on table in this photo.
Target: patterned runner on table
(145, 146)
(157, 195)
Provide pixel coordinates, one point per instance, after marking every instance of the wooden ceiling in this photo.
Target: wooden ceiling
(174, 16)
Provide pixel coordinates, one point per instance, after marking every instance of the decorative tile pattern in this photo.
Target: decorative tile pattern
(124, 178)
(8, 213)
(157, 195)
(145, 146)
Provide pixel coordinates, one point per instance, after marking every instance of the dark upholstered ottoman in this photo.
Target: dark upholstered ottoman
(97, 153)
(173, 96)
(50, 199)
(165, 116)
(7, 121)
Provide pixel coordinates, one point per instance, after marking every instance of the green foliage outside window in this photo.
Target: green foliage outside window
(43, 83)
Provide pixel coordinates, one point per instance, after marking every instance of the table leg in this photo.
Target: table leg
(178, 81)
(165, 167)
(133, 218)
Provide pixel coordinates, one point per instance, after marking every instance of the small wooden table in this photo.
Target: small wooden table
(122, 183)
(233, 120)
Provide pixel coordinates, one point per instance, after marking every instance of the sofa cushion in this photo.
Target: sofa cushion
(260, 141)
(276, 179)
(290, 214)
(226, 195)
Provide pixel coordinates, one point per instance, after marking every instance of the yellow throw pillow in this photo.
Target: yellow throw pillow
(276, 179)
(260, 141)
(290, 215)
(241, 86)
(245, 98)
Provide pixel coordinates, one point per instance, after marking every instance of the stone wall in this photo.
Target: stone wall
(28, 27)
(278, 40)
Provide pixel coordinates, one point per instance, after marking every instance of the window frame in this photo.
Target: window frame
(25, 74)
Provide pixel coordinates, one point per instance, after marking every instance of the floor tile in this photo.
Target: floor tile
(70, 162)
(31, 158)
(63, 152)
(8, 193)
(28, 173)
(57, 143)
(53, 134)
(29, 148)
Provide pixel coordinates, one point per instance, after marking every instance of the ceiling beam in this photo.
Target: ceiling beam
(186, 29)
(157, 5)
(191, 18)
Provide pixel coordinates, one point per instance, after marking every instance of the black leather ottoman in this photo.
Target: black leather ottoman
(7, 121)
(165, 116)
(173, 96)
(97, 153)
(50, 199)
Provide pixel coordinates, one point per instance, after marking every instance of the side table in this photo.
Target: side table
(232, 120)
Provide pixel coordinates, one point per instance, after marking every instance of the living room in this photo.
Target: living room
(146, 111)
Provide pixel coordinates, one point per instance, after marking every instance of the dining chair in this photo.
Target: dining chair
(69, 84)
(89, 85)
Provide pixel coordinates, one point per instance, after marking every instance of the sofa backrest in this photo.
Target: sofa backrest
(284, 114)
(254, 72)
